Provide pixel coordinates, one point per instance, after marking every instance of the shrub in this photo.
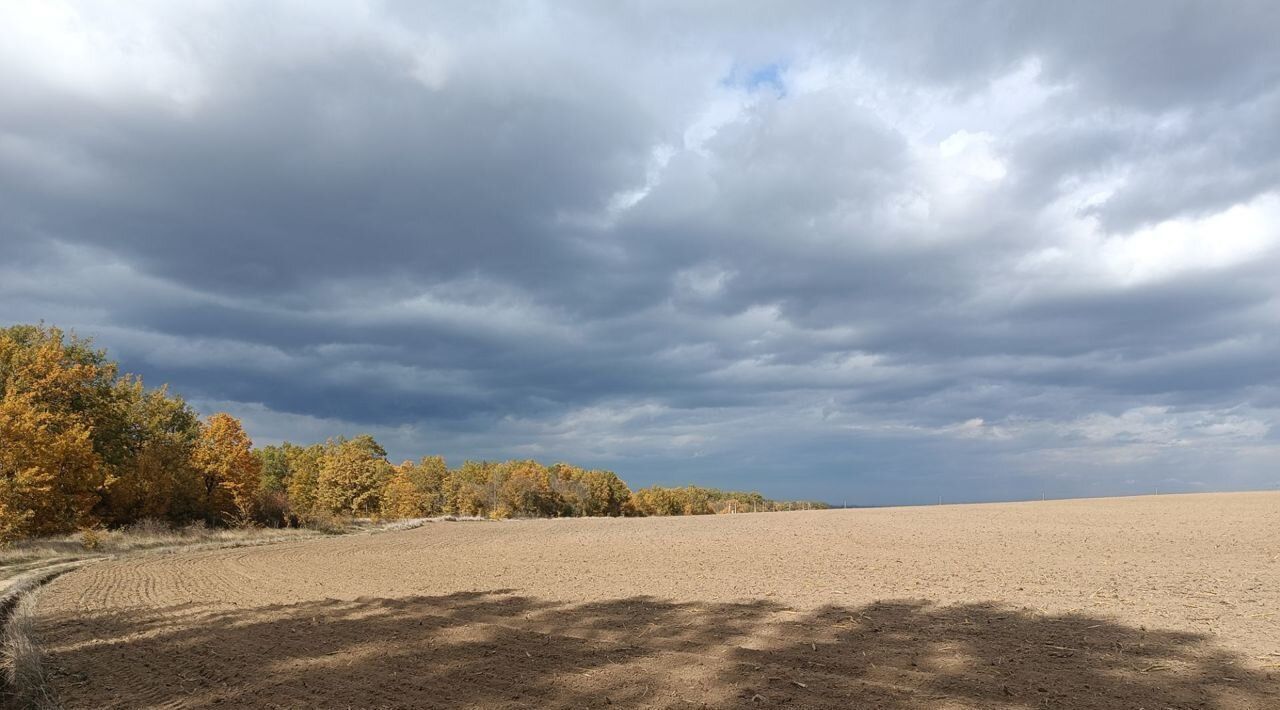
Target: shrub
(92, 538)
(271, 509)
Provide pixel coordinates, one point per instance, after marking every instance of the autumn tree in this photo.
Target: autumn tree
(271, 505)
(526, 490)
(606, 493)
(156, 477)
(66, 377)
(416, 489)
(51, 389)
(353, 473)
(82, 444)
(48, 471)
(401, 498)
(571, 493)
(472, 489)
(656, 500)
(304, 477)
(223, 457)
(428, 476)
(141, 440)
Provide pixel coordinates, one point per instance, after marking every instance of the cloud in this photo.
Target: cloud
(884, 253)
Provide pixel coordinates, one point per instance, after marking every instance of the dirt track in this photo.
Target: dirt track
(1120, 603)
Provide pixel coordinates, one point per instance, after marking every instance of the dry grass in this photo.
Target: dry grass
(144, 536)
(155, 536)
(22, 680)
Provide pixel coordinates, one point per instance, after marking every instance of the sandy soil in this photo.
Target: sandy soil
(1156, 602)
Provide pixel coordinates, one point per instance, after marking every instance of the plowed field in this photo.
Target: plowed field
(1152, 602)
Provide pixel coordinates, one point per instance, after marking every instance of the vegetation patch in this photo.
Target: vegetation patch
(22, 679)
(87, 451)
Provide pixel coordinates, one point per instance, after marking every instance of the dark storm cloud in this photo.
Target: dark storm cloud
(885, 252)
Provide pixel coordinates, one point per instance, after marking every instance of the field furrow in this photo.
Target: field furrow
(1117, 603)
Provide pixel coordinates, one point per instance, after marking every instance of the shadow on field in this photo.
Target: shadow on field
(499, 650)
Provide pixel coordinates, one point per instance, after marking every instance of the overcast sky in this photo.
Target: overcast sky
(888, 254)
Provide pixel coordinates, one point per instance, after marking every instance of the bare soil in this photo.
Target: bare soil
(1155, 602)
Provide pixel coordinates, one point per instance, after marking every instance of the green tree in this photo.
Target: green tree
(155, 478)
(275, 467)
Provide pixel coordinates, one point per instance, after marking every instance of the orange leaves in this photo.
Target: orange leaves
(224, 459)
(80, 444)
(47, 472)
(48, 466)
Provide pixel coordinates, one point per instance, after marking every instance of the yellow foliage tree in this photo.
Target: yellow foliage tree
(527, 489)
(401, 498)
(428, 476)
(230, 472)
(47, 472)
(471, 489)
(50, 391)
(352, 475)
(304, 475)
(68, 379)
(606, 493)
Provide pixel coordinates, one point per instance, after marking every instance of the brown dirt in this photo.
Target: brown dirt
(1157, 602)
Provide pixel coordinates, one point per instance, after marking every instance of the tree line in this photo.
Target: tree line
(82, 445)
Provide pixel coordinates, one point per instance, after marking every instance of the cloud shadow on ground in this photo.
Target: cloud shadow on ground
(498, 649)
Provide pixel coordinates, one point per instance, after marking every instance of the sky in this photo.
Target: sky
(881, 252)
